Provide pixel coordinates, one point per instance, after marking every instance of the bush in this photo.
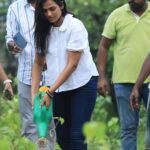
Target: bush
(10, 130)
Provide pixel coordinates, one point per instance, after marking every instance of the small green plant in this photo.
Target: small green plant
(10, 127)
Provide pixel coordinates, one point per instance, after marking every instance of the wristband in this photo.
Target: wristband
(50, 95)
(7, 81)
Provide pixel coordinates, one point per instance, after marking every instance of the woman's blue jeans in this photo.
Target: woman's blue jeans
(75, 107)
(129, 119)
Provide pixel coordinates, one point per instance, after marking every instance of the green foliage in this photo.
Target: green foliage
(95, 132)
(103, 131)
(59, 120)
(102, 104)
(57, 146)
(104, 126)
(93, 13)
(10, 127)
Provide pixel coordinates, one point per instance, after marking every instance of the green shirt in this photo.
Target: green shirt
(131, 42)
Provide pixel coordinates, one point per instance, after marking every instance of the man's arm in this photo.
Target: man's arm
(12, 27)
(102, 60)
(144, 73)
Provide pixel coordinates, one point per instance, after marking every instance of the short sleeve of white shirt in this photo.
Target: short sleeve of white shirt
(78, 37)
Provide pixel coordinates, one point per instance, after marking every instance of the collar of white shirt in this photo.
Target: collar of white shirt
(25, 2)
(65, 23)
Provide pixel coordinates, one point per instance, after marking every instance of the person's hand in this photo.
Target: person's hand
(134, 103)
(13, 47)
(8, 88)
(46, 101)
(103, 87)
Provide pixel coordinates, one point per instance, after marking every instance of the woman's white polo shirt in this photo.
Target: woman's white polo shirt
(70, 36)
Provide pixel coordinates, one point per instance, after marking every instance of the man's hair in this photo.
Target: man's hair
(43, 26)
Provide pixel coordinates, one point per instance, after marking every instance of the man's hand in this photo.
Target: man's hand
(103, 87)
(134, 103)
(12, 46)
(8, 88)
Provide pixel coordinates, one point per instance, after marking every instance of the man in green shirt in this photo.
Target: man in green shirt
(128, 28)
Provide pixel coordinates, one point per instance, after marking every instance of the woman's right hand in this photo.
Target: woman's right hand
(46, 101)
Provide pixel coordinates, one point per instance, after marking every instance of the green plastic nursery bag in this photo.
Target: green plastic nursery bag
(42, 116)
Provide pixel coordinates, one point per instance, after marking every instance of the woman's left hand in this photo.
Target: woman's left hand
(46, 101)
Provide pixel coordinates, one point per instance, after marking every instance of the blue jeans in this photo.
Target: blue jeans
(76, 107)
(129, 119)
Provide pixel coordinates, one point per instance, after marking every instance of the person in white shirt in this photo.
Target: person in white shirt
(6, 81)
(62, 40)
(20, 19)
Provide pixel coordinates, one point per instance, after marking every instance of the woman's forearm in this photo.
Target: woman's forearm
(62, 77)
(36, 74)
(36, 78)
(73, 59)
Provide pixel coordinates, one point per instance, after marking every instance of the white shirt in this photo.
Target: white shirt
(20, 18)
(70, 36)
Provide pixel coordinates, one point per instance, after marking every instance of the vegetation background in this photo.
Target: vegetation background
(102, 133)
